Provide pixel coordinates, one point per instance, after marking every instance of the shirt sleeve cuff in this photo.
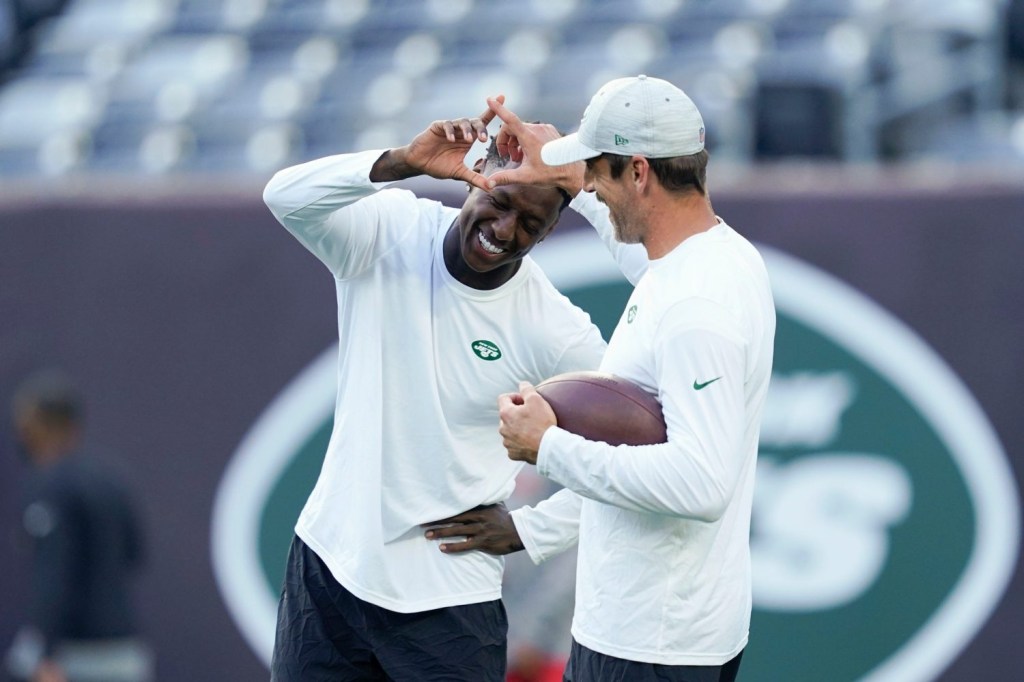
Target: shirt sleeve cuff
(369, 158)
(521, 521)
(580, 200)
(553, 443)
(544, 451)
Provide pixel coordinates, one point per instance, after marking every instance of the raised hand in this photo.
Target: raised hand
(521, 142)
(486, 529)
(439, 151)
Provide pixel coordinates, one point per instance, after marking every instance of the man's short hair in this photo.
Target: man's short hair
(53, 394)
(676, 174)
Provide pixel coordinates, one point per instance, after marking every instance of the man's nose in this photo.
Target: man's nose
(588, 181)
(505, 226)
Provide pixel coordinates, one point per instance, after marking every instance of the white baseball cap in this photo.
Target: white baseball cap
(637, 115)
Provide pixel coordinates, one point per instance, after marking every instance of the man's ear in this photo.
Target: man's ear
(640, 169)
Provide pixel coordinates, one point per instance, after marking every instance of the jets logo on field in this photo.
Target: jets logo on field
(885, 523)
(485, 350)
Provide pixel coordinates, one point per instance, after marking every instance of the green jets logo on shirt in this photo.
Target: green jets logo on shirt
(485, 350)
(631, 314)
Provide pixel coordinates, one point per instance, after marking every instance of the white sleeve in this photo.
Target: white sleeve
(701, 373)
(319, 203)
(583, 352)
(631, 258)
(551, 527)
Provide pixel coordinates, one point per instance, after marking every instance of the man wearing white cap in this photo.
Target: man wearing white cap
(663, 582)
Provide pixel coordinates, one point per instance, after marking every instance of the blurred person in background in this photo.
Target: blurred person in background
(86, 547)
(439, 311)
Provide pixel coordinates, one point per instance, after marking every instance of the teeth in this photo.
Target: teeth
(488, 247)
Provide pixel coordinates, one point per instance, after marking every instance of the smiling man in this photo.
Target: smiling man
(663, 588)
(440, 310)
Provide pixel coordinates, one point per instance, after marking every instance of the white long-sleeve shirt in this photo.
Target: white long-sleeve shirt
(664, 567)
(422, 360)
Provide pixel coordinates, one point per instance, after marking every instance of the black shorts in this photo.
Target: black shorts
(586, 665)
(324, 632)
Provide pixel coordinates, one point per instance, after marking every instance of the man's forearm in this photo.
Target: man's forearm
(392, 166)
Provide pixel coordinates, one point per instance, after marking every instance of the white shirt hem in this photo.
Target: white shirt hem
(658, 657)
(352, 585)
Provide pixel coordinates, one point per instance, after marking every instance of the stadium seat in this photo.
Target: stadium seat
(776, 78)
(33, 110)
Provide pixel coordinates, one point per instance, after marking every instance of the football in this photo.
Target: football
(604, 407)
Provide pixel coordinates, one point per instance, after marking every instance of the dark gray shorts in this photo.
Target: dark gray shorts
(586, 665)
(324, 632)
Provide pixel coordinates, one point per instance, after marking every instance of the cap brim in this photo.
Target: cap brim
(565, 150)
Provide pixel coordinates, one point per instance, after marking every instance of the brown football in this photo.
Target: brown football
(605, 407)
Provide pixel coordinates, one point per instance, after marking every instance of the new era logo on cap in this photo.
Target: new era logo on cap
(640, 115)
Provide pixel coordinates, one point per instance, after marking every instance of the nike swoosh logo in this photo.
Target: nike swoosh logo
(697, 386)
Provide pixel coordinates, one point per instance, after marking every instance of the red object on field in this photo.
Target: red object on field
(604, 407)
(551, 671)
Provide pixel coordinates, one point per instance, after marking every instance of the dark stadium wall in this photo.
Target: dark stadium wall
(182, 318)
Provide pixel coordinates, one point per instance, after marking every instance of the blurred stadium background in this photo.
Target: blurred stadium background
(881, 141)
(247, 86)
